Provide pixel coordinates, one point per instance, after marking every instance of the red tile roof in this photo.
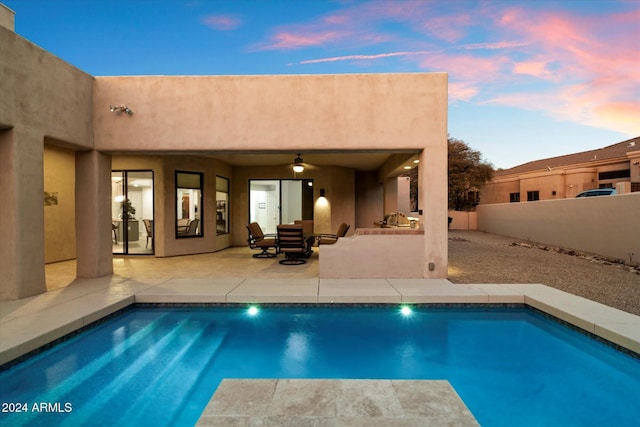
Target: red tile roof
(610, 152)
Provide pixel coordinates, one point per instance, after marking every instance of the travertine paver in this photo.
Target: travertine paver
(298, 402)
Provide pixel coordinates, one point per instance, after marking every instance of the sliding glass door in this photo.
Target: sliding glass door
(132, 212)
(279, 201)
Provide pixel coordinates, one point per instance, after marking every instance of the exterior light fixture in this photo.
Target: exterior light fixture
(407, 167)
(322, 193)
(252, 310)
(121, 109)
(298, 167)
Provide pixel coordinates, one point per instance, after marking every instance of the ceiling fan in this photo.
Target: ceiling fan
(299, 165)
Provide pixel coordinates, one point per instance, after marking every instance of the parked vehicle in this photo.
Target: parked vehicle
(598, 192)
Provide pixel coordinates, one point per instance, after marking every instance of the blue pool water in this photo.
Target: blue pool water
(151, 366)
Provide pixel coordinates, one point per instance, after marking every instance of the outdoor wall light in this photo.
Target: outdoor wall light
(322, 193)
(121, 109)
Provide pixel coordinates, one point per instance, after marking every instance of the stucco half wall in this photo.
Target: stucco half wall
(375, 254)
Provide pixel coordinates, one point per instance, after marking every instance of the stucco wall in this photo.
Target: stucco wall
(606, 225)
(463, 220)
(285, 112)
(369, 200)
(40, 96)
(7, 17)
(60, 215)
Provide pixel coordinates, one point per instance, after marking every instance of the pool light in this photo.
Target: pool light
(252, 310)
(406, 311)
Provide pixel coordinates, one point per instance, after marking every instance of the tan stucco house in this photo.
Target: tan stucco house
(74, 147)
(616, 166)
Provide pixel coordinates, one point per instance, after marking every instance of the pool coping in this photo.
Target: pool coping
(31, 323)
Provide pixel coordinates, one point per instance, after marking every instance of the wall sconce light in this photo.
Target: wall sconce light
(121, 109)
(322, 193)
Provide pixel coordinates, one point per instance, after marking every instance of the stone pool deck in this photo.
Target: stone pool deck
(27, 324)
(336, 403)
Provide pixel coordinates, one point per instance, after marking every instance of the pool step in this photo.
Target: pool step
(73, 385)
(135, 379)
(185, 369)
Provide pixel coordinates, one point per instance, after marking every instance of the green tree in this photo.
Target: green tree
(468, 173)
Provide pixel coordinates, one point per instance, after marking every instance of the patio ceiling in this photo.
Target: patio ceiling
(363, 160)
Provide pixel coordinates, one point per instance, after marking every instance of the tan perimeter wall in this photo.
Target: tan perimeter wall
(463, 220)
(607, 225)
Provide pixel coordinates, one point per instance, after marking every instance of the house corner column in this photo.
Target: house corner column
(433, 198)
(93, 214)
(22, 271)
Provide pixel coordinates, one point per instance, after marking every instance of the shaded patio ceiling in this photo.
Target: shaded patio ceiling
(361, 160)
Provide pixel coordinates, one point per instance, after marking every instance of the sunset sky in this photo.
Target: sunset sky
(527, 79)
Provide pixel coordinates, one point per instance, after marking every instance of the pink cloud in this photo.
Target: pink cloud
(221, 22)
(466, 68)
(594, 80)
(533, 68)
(358, 25)
(567, 64)
(448, 28)
(297, 40)
(462, 92)
(493, 45)
(619, 115)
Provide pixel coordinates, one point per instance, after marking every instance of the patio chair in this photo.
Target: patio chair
(258, 240)
(292, 243)
(148, 225)
(330, 239)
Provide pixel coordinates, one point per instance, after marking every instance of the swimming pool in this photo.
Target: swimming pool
(158, 366)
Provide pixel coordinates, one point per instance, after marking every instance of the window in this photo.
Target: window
(222, 205)
(188, 204)
(625, 173)
(514, 197)
(532, 196)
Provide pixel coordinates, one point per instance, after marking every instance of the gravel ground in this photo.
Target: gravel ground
(477, 257)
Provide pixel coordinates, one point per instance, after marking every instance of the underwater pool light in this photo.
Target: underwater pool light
(252, 310)
(406, 311)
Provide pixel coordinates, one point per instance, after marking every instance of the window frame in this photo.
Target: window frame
(198, 207)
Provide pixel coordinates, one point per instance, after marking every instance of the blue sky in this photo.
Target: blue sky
(528, 79)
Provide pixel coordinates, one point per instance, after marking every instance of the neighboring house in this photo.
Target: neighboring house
(116, 156)
(615, 166)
